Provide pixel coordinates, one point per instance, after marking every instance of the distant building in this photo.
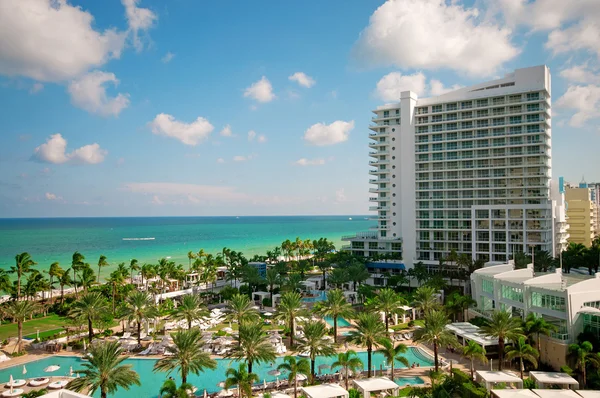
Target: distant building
(261, 267)
(582, 215)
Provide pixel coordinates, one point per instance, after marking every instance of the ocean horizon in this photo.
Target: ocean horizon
(148, 239)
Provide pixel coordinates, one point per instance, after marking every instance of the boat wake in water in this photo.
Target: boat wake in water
(139, 238)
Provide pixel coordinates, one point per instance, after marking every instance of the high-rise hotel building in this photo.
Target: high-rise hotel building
(469, 170)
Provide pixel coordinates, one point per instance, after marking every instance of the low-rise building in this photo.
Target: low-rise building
(581, 212)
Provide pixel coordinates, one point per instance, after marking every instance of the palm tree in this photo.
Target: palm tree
(191, 255)
(133, 266)
(54, 271)
(240, 309)
(504, 327)
(64, 280)
(369, 331)
(140, 306)
(76, 265)
(314, 343)
(290, 307)
(393, 354)
(473, 351)
(18, 311)
(190, 310)
(334, 306)
(435, 332)
(187, 356)
(23, 264)
(116, 279)
(536, 325)
(349, 362)
(91, 306)
(105, 371)
(242, 379)
(253, 345)
(584, 355)
(388, 302)
(425, 299)
(87, 277)
(520, 349)
(294, 367)
(169, 390)
(272, 278)
(101, 263)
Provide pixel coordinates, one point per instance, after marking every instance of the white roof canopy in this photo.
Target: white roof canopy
(510, 393)
(556, 393)
(325, 391)
(497, 376)
(279, 395)
(589, 393)
(543, 378)
(469, 331)
(375, 384)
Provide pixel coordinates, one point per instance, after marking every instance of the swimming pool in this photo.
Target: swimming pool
(404, 381)
(319, 295)
(341, 322)
(151, 382)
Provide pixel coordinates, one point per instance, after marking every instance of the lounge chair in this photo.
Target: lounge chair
(126, 335)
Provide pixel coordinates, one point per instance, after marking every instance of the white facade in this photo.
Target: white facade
(569, 301)
(468, 171)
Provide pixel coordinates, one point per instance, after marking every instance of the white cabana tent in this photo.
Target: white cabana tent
(64, 394)
(556, 393)
(589, 393)
(325, 391)
(260, 296)
(513, 394)
(547, 379)
(468, 331)
(376, 384)
(278, 394)
(492, 377)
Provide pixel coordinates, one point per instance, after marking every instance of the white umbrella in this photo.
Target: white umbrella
(205, 393)
(227, 330)
(84, 346)
(221, 384)
(225, 393)
(274, 372)
(77, 375)
(265, 383)
(24, 370)
(268, 314)
(52, 368)
(10, 383)
(301, 377)
(71, 371)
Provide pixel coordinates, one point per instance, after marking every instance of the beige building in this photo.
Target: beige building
(581, 212)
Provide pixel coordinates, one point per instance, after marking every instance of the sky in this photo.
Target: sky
(189, 108)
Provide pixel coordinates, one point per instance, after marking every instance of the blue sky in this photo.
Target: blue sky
(118, 108)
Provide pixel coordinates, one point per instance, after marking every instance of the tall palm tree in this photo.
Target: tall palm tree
(55, 271)
(105, 371)
(242, 379)
(520, 349)
(435, 332)
(290, 307)
(393, 354)
(91, 306)
(5, 282)
(294, 367)
(334, 306)
(133, 266)
(23, 263)
(583, 354)
(388, 302)
(191, 255)
(64, 280)
(504, 327)
(169, 390)
(101, 263)
(187, 356)
(272, 278)
(536, 325)
(87, 277)
(369, 331)
(253, 345)
(76, 265)
(18, 311)
(314, 343)
(473, 351)
(240, 309)
(349, 362)
(140, 306)
(190, 310)
(425, 299)
(116, 279)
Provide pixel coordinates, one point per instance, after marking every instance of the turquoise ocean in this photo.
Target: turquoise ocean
(149, 238)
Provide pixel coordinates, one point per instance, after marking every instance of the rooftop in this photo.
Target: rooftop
(376, 384)
(325, 391)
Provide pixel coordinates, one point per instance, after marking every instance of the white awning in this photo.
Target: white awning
(510, 393)
(556, 393)
(497, 376)
(550, 378)
(325, 391)
(469, 331)
(589, 393)
(375, 384)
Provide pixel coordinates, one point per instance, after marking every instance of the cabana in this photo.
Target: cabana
(468, 331)
(548, 379)
(492, 377)
(556, 393)
(376, 384)
(260, 296)
(589, 393)
(513, 394)
(325, 391)
(278, 394)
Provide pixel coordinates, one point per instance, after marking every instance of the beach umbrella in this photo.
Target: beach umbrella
(221, 384)
(225, 393)
(274, 372)
(71, 371)
(205, 393)
(52, 368)
(77, 375)
(301, 377)
(24, 370)
(84, 346)
(268, 314)
(10, 383)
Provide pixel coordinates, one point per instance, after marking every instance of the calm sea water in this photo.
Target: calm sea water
(55, 239)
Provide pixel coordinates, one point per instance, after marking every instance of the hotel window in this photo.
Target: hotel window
(436, 137)
(487, 286)
(482, 133)
(422, 129)
(533, 96)
(512, 293)
(467, 115)
(424, 235)
(436, 108)
(551, 302)
(514, 109)
(533, 107)
(423, 157)
(436, 118)
(533, 118)
(482, 102)
(451, 146)
(436, 147)
(422, 148)
(438, 185)
(451, 107)
(451, 116)
(451, 136)
(437, 156)
(466, 104)
(467, 125)
(516, 129)
(386, 113)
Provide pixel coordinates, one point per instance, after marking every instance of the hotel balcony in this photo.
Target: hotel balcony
(378, 162)
(377, 208)
(379, 190)
(361, 235)
(378, 180)
(378, 153)
(379, 171)
(377, 134)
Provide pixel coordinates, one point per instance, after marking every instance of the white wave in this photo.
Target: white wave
(139, 238)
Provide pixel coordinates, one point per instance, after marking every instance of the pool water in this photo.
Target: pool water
(341, 322)
(403, 381)
(320, 295)
(151, 381)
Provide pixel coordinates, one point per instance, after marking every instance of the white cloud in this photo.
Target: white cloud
(261, 91)
(251, 135)
(89, 93)
(54, 150)
(36, 88)
(240, 158)
(188, 133)
(432, 34)
(52, 196)
(340, 196)
(139, 20)
(220, 160)
(580, 36)
(436, 87)
(585, 100)
(391, 85)
(168, 57)
(302, 79)
(226, 132)
(321, 134)
(52, 40)
(309, 162)
(545, 14)
(156, 201)
(580, 74)
(199, 192)
(261, 139)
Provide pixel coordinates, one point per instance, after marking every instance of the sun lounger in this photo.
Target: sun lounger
(126, 335)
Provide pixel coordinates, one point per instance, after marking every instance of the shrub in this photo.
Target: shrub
(354, 393)
(267, 302)
(227, 292)
(470, 390)
(479, 321)
(460, 376)
(220, 333)
(529, 383)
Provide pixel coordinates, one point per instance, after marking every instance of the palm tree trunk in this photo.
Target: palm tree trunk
(435, 355)
(295, 387)
(183, 377)
(392, 369)
(18, 285)
(521, 365)
(369, 351)
(50, 289)
(335, 330)
(98, 274)
(583, 371)
(75, 282)
(114, 293)
(472, 369)
(62, 293)
(90, 330)
(324, 287)
(387, 322)
(19, 336)
(347, 370)
(500, 352)
(103, 393)
(291, 332)
(139, 330)
(312, 371)
(249, 367)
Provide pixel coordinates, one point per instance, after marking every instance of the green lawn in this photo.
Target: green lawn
(52, 322)
(45, 334)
